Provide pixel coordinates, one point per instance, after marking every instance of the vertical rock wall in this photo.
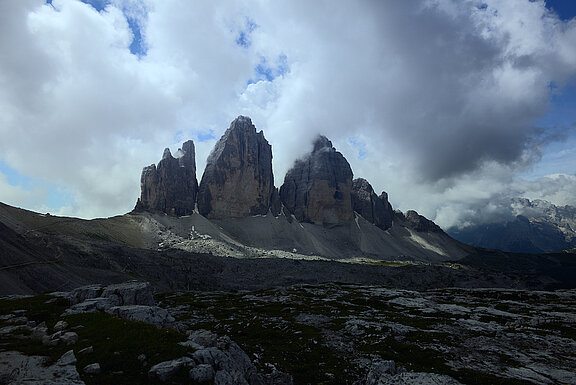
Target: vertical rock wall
(238, 179)
(170, 187)
(373, 208)
(317, 189)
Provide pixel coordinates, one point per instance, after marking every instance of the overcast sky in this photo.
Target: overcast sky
(450, 106)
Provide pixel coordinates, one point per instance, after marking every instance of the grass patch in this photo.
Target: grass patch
(38, 308)
(117, 343)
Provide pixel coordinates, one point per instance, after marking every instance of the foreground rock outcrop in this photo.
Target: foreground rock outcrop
(171, 186)
(194, 356)
(238, 179)
(17, 368)
(368, 335)
(317, 189)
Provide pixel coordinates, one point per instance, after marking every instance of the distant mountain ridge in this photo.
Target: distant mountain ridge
(538, 227)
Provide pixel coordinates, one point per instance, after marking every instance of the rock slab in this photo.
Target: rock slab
(16, 368)
(238, 179)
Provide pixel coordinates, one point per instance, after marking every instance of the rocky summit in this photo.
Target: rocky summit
(373, 208)
(171, 186)
(317, 189)
(238, 179)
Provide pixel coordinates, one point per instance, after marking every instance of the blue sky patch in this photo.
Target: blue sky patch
(566, 9)
(204, 137)
(55, 196)
(244, 36)
(360, 146)
(14, 178)
(138, 46)
(270, 71)
(98, 5)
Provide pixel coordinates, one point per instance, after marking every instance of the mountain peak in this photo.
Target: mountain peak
(167, 154)
(238, 179)
(171, 186)
(322, 143)
(317, 189)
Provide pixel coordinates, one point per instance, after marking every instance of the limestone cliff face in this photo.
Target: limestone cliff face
(317, 188)
(373, 208)
(238, 179)
(171, 186)
(417, 222)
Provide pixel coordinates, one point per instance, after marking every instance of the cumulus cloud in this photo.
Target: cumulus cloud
(434, 101)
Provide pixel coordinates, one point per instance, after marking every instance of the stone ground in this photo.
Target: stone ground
(303, 334)
(336, 333)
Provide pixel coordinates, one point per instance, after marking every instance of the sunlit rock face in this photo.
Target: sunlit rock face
(317, 188)
(170, 187)
(238, 179)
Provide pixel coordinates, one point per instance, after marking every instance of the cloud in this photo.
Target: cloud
(434, 101)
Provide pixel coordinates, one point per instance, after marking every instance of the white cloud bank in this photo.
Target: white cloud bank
(433, 101)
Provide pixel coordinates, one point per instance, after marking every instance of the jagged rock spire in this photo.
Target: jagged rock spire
(238, 179)
(170, 187)
(317, 188)
(373, 208)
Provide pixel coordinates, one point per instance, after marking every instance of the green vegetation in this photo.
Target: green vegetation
(116, 343)
(324, 334)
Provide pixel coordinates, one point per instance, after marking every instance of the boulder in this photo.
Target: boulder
(16, 368)
(229, 363)
(170, 187)
(203, 338)
(165, 370)
(130, 293)
(92, 305)
(88, 350)
(153, 315)
(67, 358)
(317, 189)
(98, 298)
(39, 332)
(202, 374)
(81, 294)
(238, 179)
(60, 325)
(69, 338)
(375, 209)
(92, 369)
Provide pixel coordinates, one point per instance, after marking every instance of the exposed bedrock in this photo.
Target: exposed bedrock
(317, 188)
(238, 179)
(170, 187)
(373, 208)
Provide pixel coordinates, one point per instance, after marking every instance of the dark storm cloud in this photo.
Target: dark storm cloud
(434, 101)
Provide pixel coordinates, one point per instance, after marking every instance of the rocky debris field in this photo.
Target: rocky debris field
(301, 334)
(111, 335)
(351, 334)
